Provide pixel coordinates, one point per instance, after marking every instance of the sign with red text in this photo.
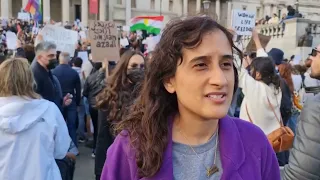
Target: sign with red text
(104, 41)
(243, 22)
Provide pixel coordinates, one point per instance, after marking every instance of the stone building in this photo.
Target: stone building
(121, 11)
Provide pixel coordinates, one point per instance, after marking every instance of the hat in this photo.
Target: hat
(276, 55)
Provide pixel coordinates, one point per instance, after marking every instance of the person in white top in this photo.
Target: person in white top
(33, 132)
(262, 86)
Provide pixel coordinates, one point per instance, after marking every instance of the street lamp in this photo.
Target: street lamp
(206, 5)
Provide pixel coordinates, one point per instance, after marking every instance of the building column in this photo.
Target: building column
(128, 12)
(5, 9)
(102, 10)
(65, 11)
(84, 12)
(218, 10)
(198, 9)
(110, 15)
(46, 11)
(229, 13)
(185, 7)
(24, 3)
(267, 10)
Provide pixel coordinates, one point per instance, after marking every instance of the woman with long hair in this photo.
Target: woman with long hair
(178, 127)
(113, 102)
(33, 132)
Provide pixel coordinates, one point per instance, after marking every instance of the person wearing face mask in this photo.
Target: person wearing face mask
(122, 88)
(41, 66)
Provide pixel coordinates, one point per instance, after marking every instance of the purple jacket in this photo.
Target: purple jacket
(244, 149)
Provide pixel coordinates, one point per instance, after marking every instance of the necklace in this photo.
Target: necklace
(209, 170)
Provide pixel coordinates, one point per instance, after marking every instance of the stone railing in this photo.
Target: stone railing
(286, 36)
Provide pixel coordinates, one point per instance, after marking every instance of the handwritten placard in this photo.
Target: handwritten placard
(104, 41)
(243, 22)
(64, 39)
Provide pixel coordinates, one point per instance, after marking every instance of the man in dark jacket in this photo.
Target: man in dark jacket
(70, 84)
(304, 160)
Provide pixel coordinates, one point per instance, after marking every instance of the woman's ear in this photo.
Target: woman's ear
(169, 84)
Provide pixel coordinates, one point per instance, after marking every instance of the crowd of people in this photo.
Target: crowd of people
(187, 110)
(275, 19)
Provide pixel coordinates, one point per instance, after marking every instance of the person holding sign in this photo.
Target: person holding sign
(178, 127)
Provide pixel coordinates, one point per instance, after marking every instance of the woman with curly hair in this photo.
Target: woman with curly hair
(114, 100)
(178, 127)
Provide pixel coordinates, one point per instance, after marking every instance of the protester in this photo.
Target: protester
(178, 128)
(114, 101)
(93, 86)
(303, 160)
(70, 85)
(32, 130)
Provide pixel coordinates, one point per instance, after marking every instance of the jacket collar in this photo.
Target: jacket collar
(231, 150)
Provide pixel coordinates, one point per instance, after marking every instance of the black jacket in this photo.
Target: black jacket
(45, 82)
(69, 80)
(304, 161)
(93, 86)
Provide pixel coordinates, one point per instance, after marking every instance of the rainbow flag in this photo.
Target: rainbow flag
(152, 24)
(34, 7)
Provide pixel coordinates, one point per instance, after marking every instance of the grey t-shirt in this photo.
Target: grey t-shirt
(187, 165)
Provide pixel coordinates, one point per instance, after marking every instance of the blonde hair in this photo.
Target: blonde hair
(16, 79)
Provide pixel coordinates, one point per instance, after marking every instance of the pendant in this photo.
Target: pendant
(212, 170)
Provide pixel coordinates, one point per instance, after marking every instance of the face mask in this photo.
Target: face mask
(135, 75)
(52, 64)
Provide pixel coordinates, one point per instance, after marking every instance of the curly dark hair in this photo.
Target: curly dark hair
(118, 89)
(147, 123)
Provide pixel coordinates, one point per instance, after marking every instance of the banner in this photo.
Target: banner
(243, 22)
(64, 39)
(93, 6)
(104, 41)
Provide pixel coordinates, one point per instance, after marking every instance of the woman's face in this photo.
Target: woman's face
(204, 81)
(136, 61)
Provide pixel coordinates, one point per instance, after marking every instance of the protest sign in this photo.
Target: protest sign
(104, 41)
(11, 40)
(243, 22)
(64, 39)
(84, 56)
(24, 16)
(264, 40)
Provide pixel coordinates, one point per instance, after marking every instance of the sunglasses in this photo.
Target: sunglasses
(314, 52)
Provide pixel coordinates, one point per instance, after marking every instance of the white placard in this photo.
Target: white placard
(65, 39)
(243, 22)
(124, 42)
(84, 56)
(24, 16)
(152, 42)
(11, 40)
(126, 28)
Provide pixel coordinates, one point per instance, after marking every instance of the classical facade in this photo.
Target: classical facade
(121, 11)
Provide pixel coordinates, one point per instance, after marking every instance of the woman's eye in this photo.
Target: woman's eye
(226, 64)
(200, 65)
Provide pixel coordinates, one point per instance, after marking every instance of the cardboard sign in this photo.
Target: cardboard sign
(104, 41)
(251, 47)
(64, 39)
(243, 22)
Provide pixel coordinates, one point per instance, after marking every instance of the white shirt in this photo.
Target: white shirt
(255, 99)
(33, 134)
